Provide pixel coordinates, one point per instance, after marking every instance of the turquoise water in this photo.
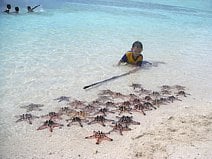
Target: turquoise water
(66, 45)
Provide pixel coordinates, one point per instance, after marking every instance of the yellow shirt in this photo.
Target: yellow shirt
(128, 58)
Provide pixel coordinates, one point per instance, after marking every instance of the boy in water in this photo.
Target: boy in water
(133, 57)
(16, 10)
(8, 9)
(31, 9)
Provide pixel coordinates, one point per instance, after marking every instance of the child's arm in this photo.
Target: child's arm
(35, 7)
(123, 59)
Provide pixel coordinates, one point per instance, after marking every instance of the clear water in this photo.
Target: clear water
(66, 45)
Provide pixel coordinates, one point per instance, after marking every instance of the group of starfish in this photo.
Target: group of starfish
(140, 101)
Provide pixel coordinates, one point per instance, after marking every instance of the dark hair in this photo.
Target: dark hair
(16, 9)
(8, 6)
(137, 43)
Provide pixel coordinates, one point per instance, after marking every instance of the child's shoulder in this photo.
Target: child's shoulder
(129, 52)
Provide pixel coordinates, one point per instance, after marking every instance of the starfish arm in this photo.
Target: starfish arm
(19, 120)
(51, 128)
(90, 137)
(42, 127)
(56, 125)
(98, 140)
(107, 138)
(135, 123)
(29, 121)
(102, 123)
(120, 132)
(80, 123)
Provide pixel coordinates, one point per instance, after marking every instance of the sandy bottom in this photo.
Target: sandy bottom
(182, 129)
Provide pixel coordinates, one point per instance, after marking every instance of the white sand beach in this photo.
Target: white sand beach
(182, 129)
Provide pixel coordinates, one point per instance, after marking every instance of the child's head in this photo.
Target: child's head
(137, 47)
(16, 9)
(8, 6)
(28, 8)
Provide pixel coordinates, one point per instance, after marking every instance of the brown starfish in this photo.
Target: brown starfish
(166, 92)
(110, 104)
(182, 93)
(52, 115)
(172, 98)
(127, 120)
(120, 128)
(89, 108)
(136, 85)
(139, 108)
(32, 107)
(99, 119)
(106, 92)
(123, 109)
(81, 114)
(165, 87)
(50, 124)
(99, 136)
(179, 87)
(65, 110)
(62, 98)
(26, 117)
(148, 105)
(77, 104)
(76, 119)
(103, 111)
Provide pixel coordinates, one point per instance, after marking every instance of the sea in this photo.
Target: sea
(68, 44)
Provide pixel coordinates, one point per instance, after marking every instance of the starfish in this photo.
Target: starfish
(182, 93)
(124, 107)
(103, 111)
(147, 105)
(75, 119)
(165, 87)
(62, 98)
(52, 115)
(110, 104)
(81, 114)
(119, 127)
(32, 106)
(99, 136)
(50, 125)
(139, 108)
(136, 85)
(179, 87)
(99, 119)
(127, 120)
(65, 110)
(172, 98)
(26, 117)
(77, 104)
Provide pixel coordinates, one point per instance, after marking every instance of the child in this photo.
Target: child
(31, 9)
(16, 10)
(8, 9)
(133, 57)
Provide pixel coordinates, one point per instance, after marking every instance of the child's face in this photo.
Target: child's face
(137, 49)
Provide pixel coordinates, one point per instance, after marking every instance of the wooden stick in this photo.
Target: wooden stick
(112, 78)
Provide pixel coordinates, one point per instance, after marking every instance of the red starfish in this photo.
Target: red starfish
(49, 124)
(99, 136)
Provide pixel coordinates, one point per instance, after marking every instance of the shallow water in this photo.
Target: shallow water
(64, 46)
